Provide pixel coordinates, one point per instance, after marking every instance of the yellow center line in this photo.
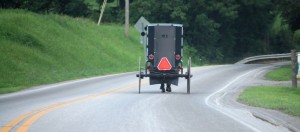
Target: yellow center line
(8, 126)
(38, 113)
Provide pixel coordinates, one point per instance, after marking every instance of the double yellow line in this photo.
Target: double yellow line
(29, 118)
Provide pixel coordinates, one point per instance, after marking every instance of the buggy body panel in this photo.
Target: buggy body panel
(164, 40)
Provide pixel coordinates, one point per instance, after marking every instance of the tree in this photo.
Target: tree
(291, 12)
(210, 28)
(41, 6)
(253, 27)
(76, 8)
(11, 4)
(73, 8)
(69, 7)
(159, 11)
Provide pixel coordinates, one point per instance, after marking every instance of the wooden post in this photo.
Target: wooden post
(294, 72)
(126, 17)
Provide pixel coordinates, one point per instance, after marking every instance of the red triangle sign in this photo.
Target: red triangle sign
(164, 64)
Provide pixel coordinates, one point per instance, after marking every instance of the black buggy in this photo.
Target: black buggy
(164, 50)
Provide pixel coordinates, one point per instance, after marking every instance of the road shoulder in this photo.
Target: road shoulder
(273, 117)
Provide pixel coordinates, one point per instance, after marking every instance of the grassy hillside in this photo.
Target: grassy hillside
(39, 49)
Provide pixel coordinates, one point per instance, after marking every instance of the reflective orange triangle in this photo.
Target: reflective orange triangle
(164, 64)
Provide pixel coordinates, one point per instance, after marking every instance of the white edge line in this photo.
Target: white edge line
(231, 116)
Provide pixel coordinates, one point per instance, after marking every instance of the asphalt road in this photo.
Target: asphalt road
(112, 104)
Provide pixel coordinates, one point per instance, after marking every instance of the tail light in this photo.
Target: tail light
(179, 67)
(151, 57)
(178, 57)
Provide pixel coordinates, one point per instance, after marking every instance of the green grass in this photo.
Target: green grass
(284, 99)
(41, 49)
(280, 74)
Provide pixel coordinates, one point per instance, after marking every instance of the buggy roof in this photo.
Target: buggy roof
(165, 24)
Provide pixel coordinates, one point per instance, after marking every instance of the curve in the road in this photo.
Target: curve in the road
(242, 116)
(86, 106)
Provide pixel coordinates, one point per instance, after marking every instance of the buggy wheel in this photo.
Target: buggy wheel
(188, 75)
(140, 71)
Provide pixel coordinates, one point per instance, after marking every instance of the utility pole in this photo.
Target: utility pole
(126, 17)
(294, 69)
